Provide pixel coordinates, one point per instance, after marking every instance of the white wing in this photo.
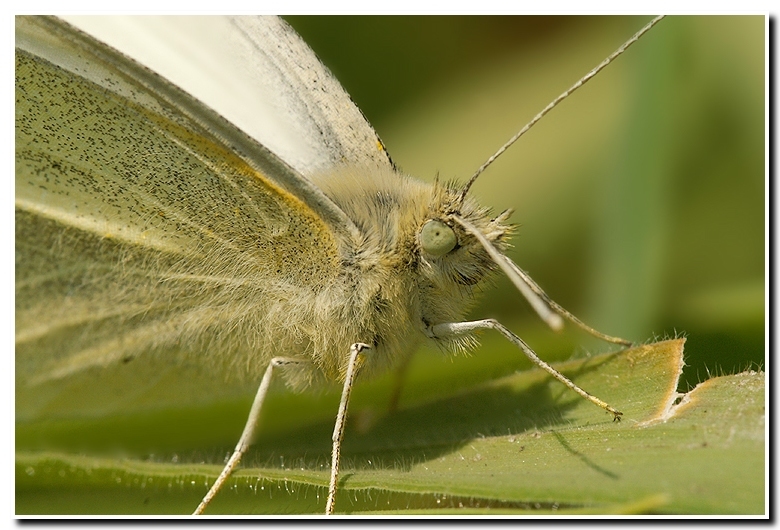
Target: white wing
(133, 201)
(258, 74)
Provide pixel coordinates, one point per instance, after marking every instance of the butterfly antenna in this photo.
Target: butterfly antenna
(557, 100)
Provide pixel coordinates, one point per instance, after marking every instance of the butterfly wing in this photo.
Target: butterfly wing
(145, 223)
(258, 74)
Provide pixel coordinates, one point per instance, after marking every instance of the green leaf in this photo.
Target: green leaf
(522, 443)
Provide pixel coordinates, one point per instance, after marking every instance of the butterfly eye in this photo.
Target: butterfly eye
(437, 238)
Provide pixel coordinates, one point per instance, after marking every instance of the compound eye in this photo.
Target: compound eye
(437, 239)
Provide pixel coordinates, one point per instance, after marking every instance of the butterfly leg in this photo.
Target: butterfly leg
(547, 309)
(456, 328)
(341, 420)
(246, 437)
(561, 311)
(398, 383)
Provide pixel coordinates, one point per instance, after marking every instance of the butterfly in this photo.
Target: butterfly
(253, 225)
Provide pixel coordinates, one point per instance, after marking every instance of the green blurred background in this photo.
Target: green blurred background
(640, 200)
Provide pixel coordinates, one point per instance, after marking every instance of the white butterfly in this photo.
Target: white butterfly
(251, 223)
